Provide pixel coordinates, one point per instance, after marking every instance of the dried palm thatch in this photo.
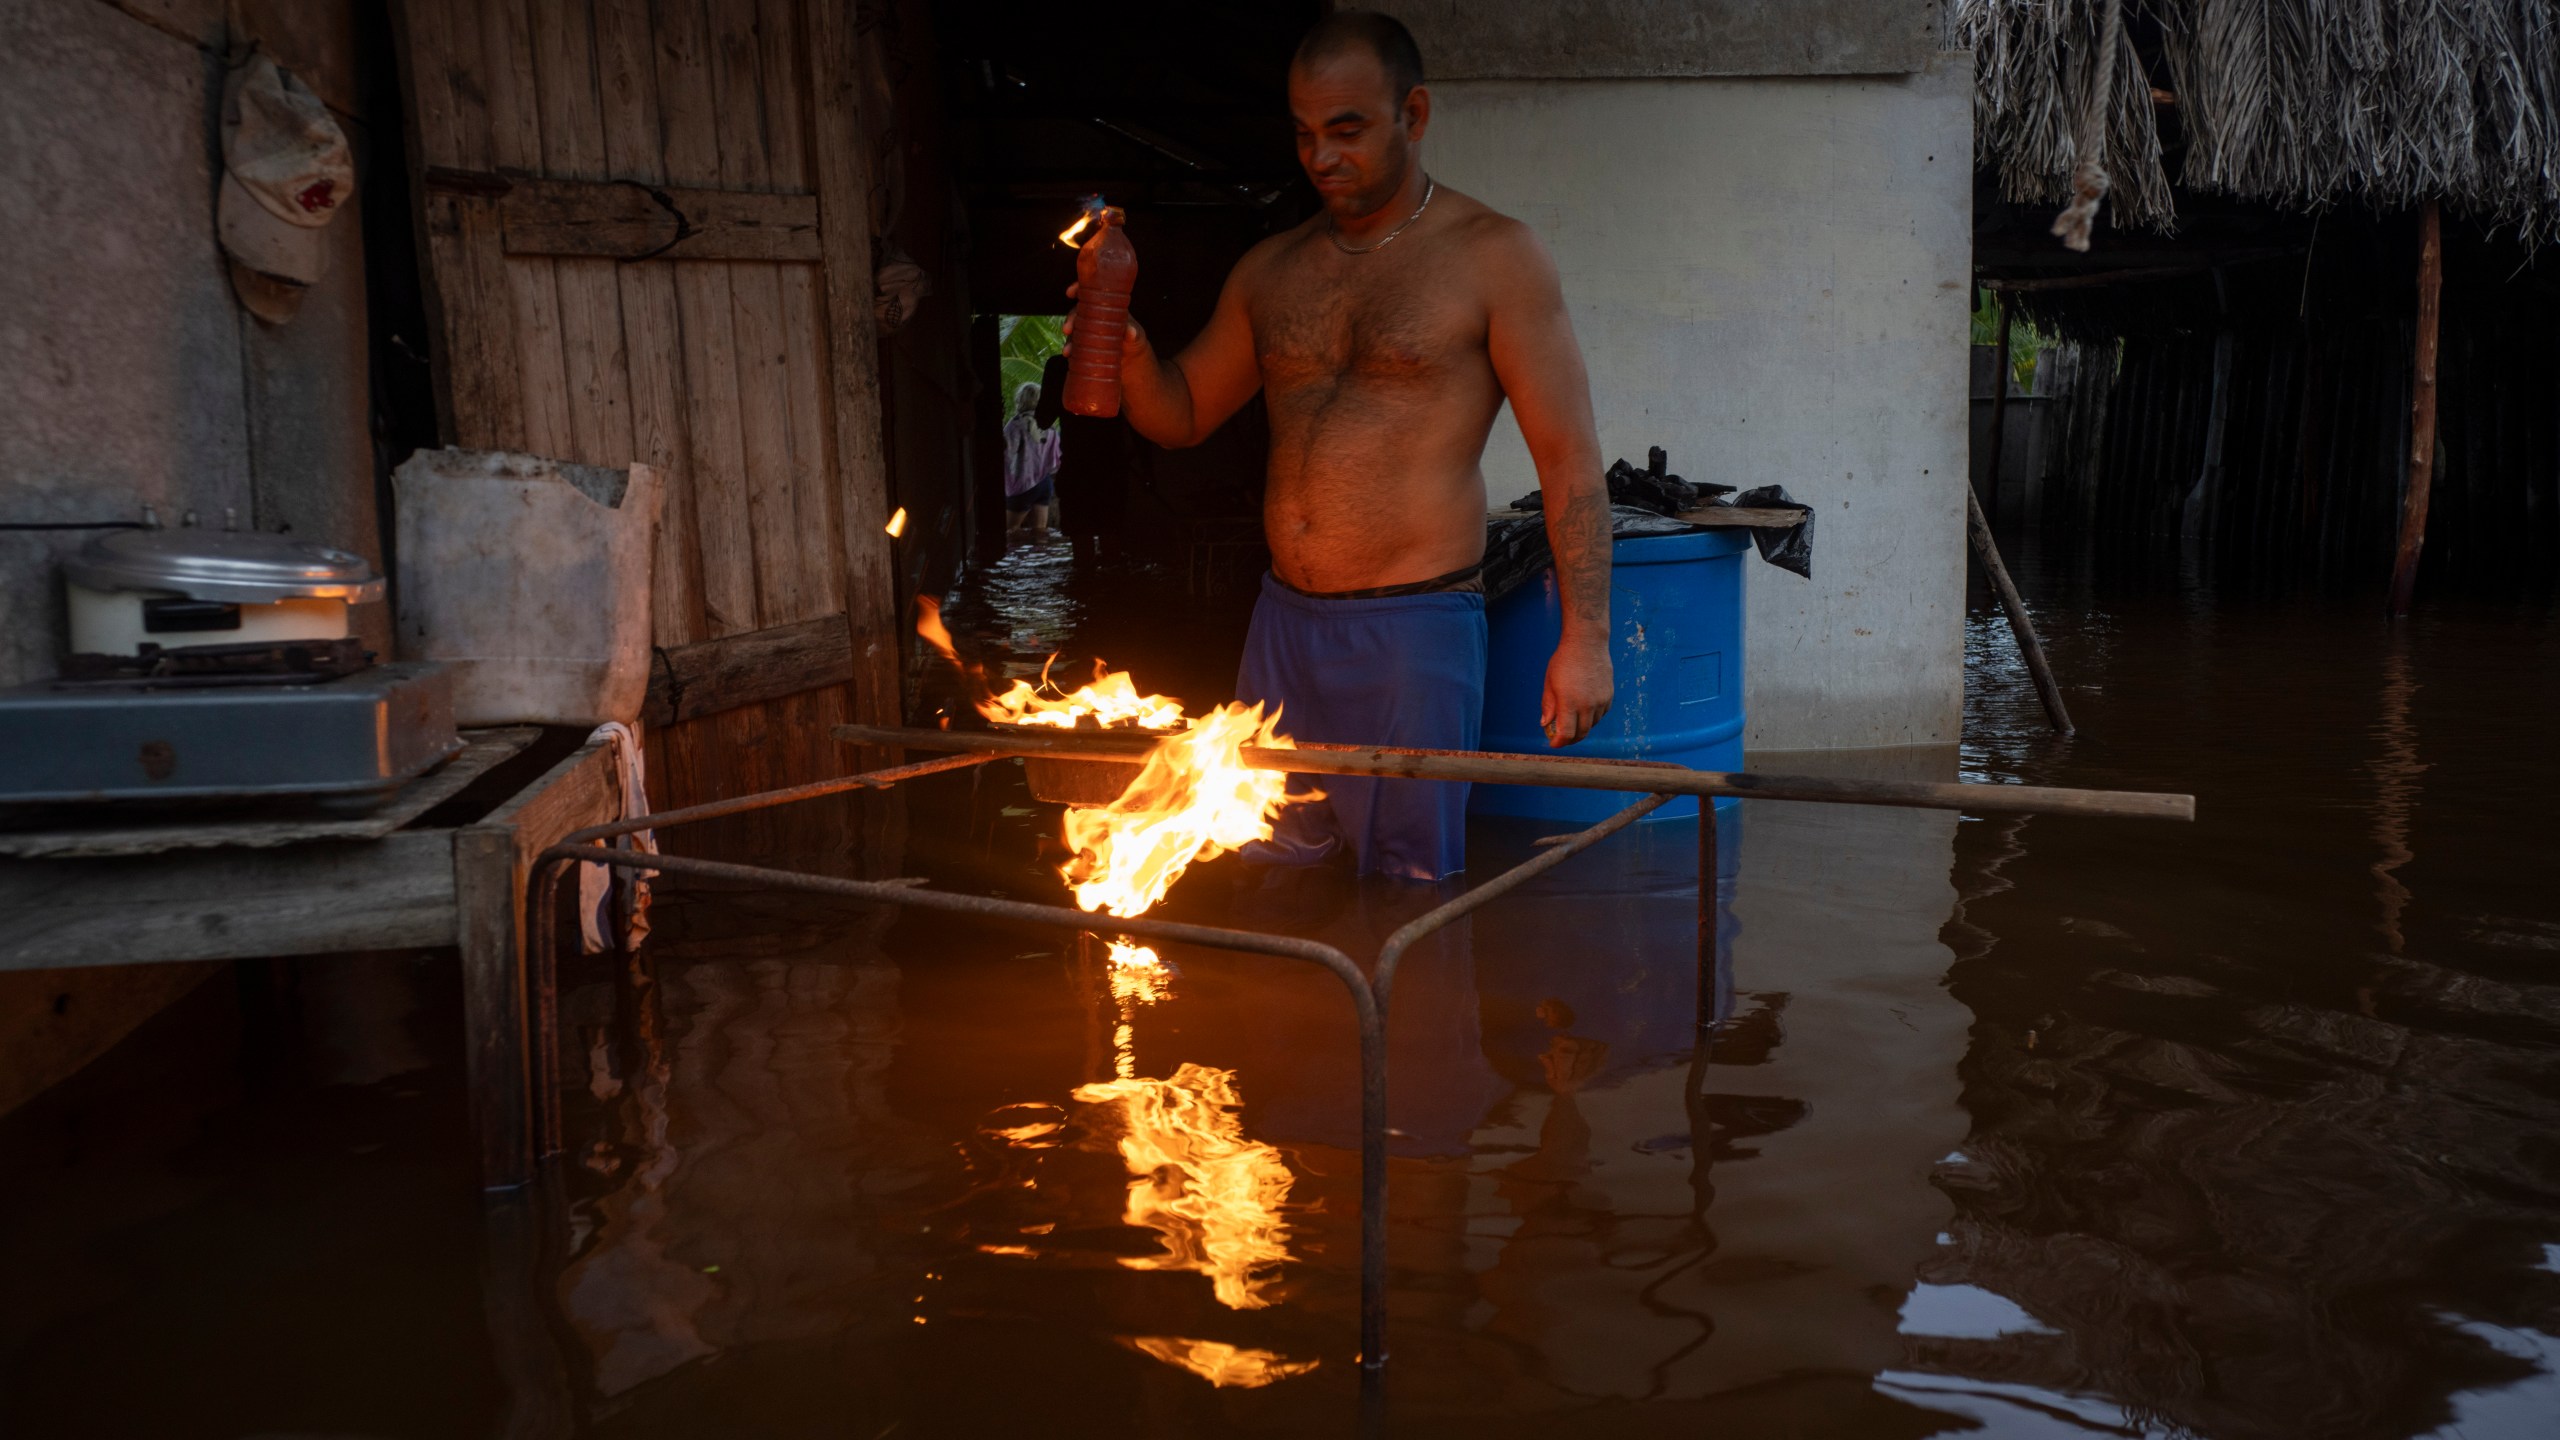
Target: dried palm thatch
(2301, 103)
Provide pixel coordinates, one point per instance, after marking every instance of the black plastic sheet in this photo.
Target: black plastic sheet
(1644, 502)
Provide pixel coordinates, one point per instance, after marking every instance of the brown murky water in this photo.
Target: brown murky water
(2010, 1127)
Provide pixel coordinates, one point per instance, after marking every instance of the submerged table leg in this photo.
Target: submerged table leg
(493, 1001)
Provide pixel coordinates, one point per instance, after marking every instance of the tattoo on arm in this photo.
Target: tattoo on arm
(1578, 532)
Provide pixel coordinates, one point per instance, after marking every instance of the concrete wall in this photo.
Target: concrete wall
(1769, 279)
(128, 373)
(1542, 40)
(131, 375)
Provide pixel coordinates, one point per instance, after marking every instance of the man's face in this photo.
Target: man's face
(1354, 140)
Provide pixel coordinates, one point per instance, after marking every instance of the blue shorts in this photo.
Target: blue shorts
(1405, 670)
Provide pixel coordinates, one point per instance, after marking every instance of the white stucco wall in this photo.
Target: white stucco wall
(1768, 276)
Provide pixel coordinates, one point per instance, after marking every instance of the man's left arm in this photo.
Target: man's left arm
(1540, 366)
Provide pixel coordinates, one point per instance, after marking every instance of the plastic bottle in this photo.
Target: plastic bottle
(1106, 268)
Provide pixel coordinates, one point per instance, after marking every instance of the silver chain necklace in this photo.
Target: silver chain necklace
(1430, 187)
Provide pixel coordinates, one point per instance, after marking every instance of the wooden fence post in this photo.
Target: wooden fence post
(2422, 410)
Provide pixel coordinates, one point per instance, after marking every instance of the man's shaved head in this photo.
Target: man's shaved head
(1382, 36)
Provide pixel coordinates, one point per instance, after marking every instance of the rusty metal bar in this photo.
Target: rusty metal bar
(768, 799)
(1579, 774)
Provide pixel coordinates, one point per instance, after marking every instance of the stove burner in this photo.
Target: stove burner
(184, 667)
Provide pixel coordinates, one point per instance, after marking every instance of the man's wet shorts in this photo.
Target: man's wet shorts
(1403, 666)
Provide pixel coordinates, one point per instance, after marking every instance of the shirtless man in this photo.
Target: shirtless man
(1386, 333)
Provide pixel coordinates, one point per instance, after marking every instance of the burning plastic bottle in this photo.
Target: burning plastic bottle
(1106, 268)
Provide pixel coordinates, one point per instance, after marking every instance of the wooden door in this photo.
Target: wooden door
(647, 234)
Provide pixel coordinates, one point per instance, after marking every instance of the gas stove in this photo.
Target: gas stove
(202, 737)
(220, 665)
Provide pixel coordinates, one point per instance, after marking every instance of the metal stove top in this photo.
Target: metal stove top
(72, 741)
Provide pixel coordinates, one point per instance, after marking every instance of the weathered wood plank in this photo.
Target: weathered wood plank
(591, 334)
(717, 448)
(631, 221)
(505, 75)
(582, 784)
(541, 356)
(424, 43)
(387, 894)
(479, 384)
(496, 1048)
(462, 59)
(767, 664)
(841, 172)
(817, 508)
(755, 294)
(530, 315)
(653, 341)
(508, 1010)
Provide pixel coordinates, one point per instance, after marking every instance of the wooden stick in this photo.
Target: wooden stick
(2000, 398)
(2020, 626)
(1575, 774)
(2422, 411)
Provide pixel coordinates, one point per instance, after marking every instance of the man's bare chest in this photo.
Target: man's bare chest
(1395, 326)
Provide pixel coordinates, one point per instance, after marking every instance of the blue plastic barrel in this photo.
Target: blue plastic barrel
(1675, 617)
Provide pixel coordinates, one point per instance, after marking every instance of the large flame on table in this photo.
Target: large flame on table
(1111, 701)
(1194, 798)
(1211, 1194)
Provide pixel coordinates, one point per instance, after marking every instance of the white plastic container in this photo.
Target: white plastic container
(531, 578)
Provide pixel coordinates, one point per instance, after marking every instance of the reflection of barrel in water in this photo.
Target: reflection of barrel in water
(1694, 1219)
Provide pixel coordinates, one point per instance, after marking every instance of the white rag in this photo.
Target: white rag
(595, 882)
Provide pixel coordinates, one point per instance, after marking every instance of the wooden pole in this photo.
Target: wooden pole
(2019, 625)
(2422, 410)
(1623, 777)
(1999, 398)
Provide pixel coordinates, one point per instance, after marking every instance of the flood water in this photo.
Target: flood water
(2014, 1127)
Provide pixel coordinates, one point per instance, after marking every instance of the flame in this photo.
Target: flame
(1194, 799)
(898, 523)
(929, 625)
(1219, 1363)
(1093, 207)
(1212, 1195)
(1111, 701)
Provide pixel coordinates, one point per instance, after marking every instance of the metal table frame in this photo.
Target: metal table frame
(1371, 993)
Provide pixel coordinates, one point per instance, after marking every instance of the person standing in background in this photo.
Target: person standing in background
(1030, 468)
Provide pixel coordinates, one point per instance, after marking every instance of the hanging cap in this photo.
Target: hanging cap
(285, 171)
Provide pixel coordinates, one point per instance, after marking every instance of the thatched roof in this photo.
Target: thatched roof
(2299, 103)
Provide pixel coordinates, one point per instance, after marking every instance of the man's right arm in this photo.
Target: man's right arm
(1182, 401)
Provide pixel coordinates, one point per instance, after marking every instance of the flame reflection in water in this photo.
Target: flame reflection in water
(1213, 1195)
(1223, 1365)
